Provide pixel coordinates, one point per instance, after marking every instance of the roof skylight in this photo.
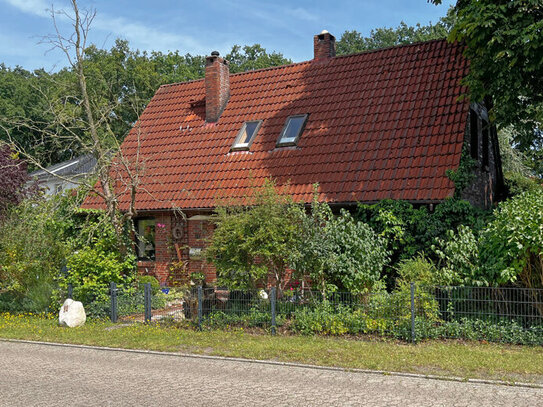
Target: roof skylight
(246, 135)
(292, 130)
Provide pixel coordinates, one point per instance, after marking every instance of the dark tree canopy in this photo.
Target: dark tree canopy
(13, 179)
(504, 42)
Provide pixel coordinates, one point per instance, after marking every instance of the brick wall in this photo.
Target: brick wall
(179, 236)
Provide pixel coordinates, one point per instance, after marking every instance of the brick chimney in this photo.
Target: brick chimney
(217, 82)
(324, 45)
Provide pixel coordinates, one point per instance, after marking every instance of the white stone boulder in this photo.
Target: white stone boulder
(72, 314)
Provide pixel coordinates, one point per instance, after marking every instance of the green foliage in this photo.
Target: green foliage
(409, 230)
(504, 46)
(417, 270)
(314, 250)
(503, 331)
(359, 255)
(459, 258)
(32, 252)
(352, 41)
(517, 183)
(252, 242)
(155, 285)
(253, 57)
(337, 252)
(512, 245)
(97, 263)
(464, 175)
(253, 317)
(378, 313)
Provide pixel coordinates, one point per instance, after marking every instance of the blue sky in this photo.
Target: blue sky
(198, 27)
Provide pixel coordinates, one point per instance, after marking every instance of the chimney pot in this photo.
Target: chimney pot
(324, 45)
(215, 53)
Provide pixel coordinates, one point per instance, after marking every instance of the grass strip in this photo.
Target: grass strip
(445, 358)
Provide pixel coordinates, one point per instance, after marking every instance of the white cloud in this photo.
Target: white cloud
(139, 35)
(35, 7)
(143, 36)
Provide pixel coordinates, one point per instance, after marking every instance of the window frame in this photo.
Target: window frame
(295, 141)
(138, 241)
(244, 147)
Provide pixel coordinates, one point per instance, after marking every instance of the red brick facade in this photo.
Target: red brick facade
(177, 235)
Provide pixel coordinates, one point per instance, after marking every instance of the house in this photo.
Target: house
(381, 124)
(65, 175)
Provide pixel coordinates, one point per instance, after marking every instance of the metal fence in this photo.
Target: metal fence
(511, 315)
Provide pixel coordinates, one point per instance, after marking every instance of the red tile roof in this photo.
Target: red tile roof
(382, 124)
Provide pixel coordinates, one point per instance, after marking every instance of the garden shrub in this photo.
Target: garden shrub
(32, 251)
(155, 285)
(459, 259)
(512, 244)
(337, 253)
(419, 270)
(96, 264)
(504, 331)
(359, 255)
(409, 230)
(252, 243)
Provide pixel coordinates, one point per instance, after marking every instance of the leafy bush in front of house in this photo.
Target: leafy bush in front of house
(359, 255)
(33, 247)
(252, 242)
(459, 259)
(337, 253)
(408, 230)
(96, 264)
(512, 244)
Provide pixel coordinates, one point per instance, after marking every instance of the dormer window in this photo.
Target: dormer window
(292, 130)
(246, 135)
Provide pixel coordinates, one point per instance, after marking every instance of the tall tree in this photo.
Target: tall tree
(253, 57)
(352, 41)
(504, 43)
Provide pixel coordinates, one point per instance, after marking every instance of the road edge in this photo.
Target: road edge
(286, 364)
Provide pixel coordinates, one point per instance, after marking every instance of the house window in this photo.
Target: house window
(486, 137)
(246, 135)
(474, 134)
(145, 238)
(292, 130)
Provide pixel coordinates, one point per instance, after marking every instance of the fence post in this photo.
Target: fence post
(147, 301)
(272, 301)
(113, 296)
(70, 291)
(200, 295)
(413, 337)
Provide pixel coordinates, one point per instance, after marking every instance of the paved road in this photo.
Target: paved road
(41, 375)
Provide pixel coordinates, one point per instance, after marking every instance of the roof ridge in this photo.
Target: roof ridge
(369, 51)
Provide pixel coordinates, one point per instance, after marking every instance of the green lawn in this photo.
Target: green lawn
(445, 358)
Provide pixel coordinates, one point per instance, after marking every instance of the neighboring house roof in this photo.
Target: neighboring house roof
(382, 124)
(78, 166)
